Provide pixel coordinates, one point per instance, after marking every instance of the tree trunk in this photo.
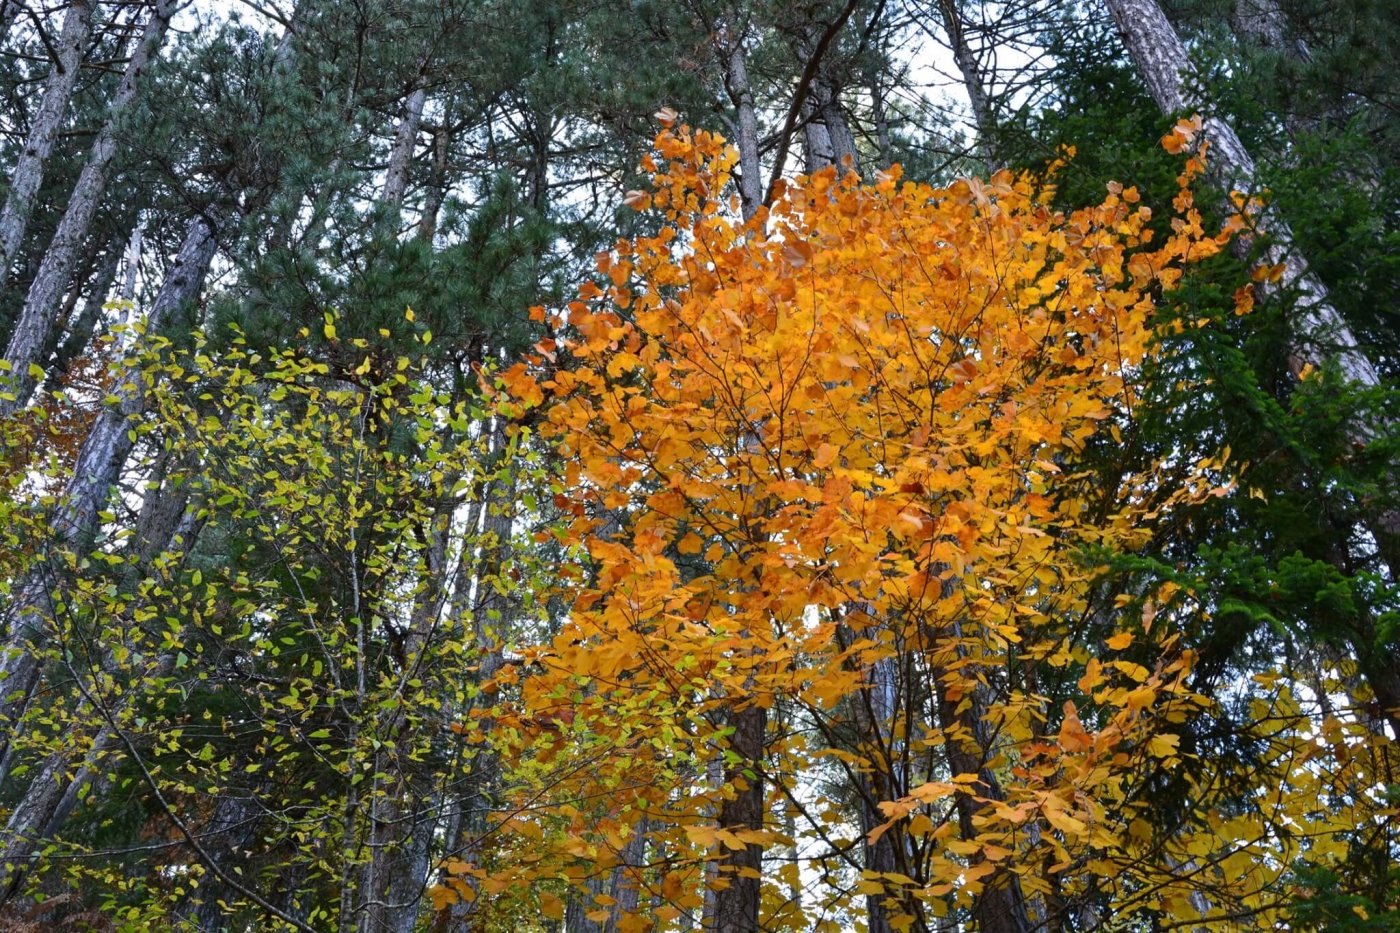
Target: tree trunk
(1320, 335)
(437, 181)
(232, 826)
(405, 141)
(737, 905)
(98, 467)
(625, 888)
(404, 816)
(1001, 907)
(730, 48)
(9, 12)
(82, 325)
(34, 330)
(1262, 22)
(973, 83)
(36, 814)
(28, 173)
(478, 603)
(826, 133)
(54, 792)
(874, 720)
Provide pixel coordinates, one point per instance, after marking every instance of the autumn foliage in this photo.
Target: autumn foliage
(836, 554)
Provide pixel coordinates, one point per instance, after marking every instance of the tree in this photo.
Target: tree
(755, 471)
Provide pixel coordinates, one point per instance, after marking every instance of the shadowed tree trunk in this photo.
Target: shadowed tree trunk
(9, 12)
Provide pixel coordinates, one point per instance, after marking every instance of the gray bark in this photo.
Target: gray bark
(875, 708)
(826, 133)
(478, 604)
(104, 451)
(971, 71)
(54, 792)
(736, 82)
(404, 816)
(46, 803)
(28, 173)
(1262, 22)
(231, 827)
(401, 155)
(1320, 335)
(437, 182)
(40, 316)
(82, 325)
(9, 12)
(880, 116)
(1001, 907)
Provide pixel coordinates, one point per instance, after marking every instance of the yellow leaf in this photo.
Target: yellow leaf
(1163, 746)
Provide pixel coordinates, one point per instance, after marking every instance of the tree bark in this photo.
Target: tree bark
(40, 316)
(827, 136)
(404, 815)
(405, 141)
(437, 182)
(730, 48)
(971, 71)
(1262, 22)
(1001, 907)
(28, 173)
(874, 711)
(9, 12)
(737, 905)
(98, 467)
(47, 801)
(1320, 335)
(83, 325)
(487, 614)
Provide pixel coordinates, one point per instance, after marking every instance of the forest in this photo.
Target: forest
(609, 466)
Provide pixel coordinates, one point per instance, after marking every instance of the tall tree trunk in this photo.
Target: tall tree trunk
(826, 133)
(479, 603)
(405, 141)
(879, 113)
(98, 467)
(730, 48)
(1001, 907)
(46, 802)
(51, 796)
(82, 325)
(9, 12)
(404, 815)
(971, 71)
(28, 172)
(1321, 336)
(737, 905)
(40, 316)
(437, 180)
(1263, 23)
(875, 727)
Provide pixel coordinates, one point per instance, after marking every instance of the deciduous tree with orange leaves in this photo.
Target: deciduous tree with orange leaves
(841, 643)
